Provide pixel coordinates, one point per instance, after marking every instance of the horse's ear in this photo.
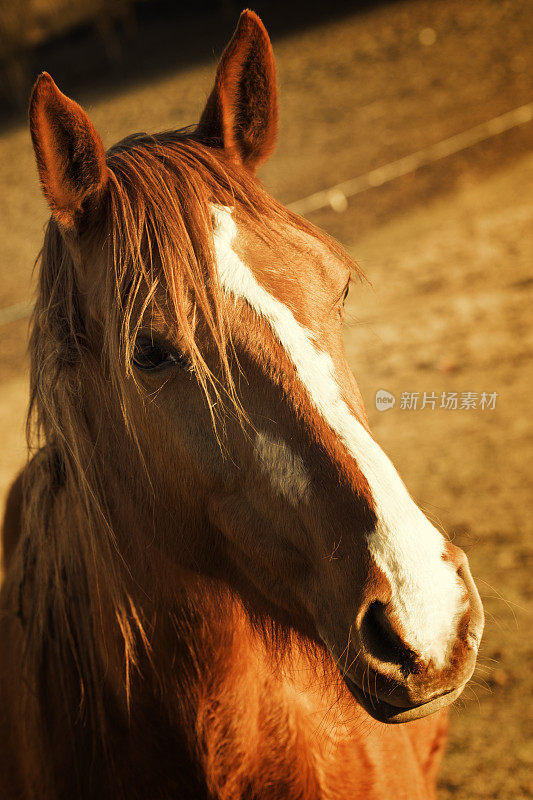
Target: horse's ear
(70, 154)
(241, 114)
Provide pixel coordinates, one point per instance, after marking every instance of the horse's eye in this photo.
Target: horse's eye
(345, 295)
(149, 355)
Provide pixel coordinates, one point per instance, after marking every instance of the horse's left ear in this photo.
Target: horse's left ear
(70, 154)
(241, 114)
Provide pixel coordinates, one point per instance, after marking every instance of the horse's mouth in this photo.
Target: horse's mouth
(392, 714)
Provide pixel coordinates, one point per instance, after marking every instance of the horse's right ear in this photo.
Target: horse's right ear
(70, 154)
(241, 114)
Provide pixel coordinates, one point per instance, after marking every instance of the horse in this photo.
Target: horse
(216, 583)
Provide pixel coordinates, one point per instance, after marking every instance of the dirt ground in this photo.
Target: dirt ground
(449, 252)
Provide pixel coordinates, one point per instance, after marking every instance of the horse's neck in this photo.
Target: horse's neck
(251, 722)
(285, 729)
(251, 725)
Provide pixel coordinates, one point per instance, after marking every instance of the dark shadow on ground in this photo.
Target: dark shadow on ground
(163, 35)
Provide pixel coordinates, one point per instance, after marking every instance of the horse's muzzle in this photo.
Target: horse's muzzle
(391, 681)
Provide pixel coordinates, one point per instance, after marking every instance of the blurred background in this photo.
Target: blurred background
(444, 236)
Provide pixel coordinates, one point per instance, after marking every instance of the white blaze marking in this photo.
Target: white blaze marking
(426, 593)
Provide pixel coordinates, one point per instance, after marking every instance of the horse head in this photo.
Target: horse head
(206, 321)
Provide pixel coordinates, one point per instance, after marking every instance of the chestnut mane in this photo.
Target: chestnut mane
(156, 232)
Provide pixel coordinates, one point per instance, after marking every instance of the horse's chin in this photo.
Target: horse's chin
(393, 715)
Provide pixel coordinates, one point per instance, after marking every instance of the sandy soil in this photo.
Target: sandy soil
(449, 253)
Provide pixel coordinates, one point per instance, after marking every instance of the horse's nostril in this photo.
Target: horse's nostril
(476, 615)
(382, 639)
